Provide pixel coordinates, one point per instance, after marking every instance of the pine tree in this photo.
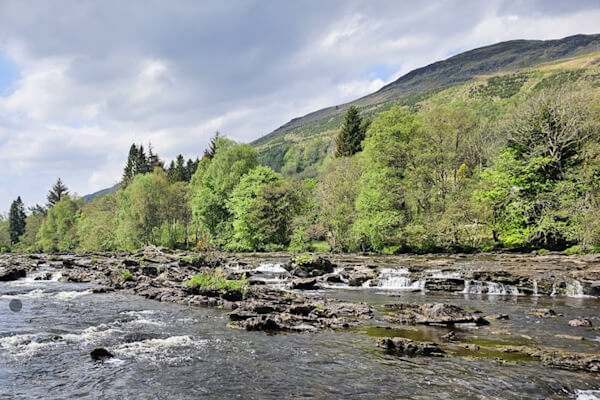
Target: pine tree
(180, 172)
(212, 147)
(171, 173)
(154, 160)
(141, 163)
(58, 191)
(190, 169)
(16, 220)
(351, 135)
(129, 170)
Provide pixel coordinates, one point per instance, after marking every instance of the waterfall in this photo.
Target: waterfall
(490, 288)
(398, 279)
(574, 289)
(535, 288)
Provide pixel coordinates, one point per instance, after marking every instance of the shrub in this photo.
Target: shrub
(217, 281)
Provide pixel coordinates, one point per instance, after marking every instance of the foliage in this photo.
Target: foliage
(58, 231)
(213, 184)
(349, 139)
(16, 220)
(96, 225)
(57, 192)
(215, 280)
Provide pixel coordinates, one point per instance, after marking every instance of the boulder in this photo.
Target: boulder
(305, 284)
(12, 274)
(100, 354)
(579, 321)
(316, 266)
(543, 312)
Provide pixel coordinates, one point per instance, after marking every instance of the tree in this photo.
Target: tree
(154, 160)
(56, 193)
(59, 230)
(349, 139)
(141, 162)
(337, 198)
(528, 183)
(5, 242)
(16, 220)
(212, 147)
(96, 225)
(130, 166)
(213, 183)
(381, 202)
(242, 199)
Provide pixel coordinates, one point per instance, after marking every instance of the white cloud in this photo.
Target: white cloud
(107, 74)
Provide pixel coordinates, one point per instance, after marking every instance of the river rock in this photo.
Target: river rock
(445, 284)
(543, 312)
(101, 354)
(559, 358)
(407, 347)
(432, 314)
(579, 321)
(12, 274)
(316, 266)
(305, 284)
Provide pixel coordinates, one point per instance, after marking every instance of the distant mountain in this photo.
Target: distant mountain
(417, 85)
(89, 197)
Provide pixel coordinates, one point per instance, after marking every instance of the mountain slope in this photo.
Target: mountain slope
(413, 87)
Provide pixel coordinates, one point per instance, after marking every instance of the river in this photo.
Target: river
(170, 351)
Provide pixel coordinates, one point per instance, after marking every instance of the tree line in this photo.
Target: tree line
(448, 175)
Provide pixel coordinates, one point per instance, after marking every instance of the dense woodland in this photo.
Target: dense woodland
(454, 173)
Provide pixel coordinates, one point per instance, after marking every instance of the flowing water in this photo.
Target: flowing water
(169, 351)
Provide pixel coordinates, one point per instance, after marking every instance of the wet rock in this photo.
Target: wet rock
(498, 317)
(316, 266)
(305, 284)
(407, 347)
(12, 274)
(543, 312)
(101, 354)
(559, 358)
(102, 289)
(43, 277)
(432, 314)
(445, 284)
(580, 322)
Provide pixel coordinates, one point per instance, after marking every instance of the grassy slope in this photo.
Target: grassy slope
(498, 71)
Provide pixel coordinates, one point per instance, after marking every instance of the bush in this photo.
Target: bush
(126, 276)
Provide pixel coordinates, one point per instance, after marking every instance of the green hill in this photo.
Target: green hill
(499, 71)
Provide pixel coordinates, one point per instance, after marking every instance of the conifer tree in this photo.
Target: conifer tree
(212, 147)
(154, 160)
(16, 220)
(129, 170)
(171, 172)
(180, 171)
(58, 191)
(141, 164)
(351, 135)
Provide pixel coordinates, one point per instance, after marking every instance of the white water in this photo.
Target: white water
(535, 288)
(398, 279)
(572, 289)
(490, 288)
(588, 394)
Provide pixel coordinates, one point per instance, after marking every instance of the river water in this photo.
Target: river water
(169, 351)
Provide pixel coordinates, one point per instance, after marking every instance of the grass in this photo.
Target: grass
(126, 276)
(302, 259)
(217, 281)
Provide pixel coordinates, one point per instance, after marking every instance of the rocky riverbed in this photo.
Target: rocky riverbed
(288, 294)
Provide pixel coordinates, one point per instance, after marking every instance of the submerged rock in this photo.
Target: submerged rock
(407, 347)
(579, 321)
(543, 312)
(101, 354)
(305, 284)
(559, 358)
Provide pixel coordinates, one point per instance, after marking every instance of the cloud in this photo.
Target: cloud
(91, 79)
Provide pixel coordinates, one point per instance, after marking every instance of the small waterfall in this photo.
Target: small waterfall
(574, 289)
(535, 288)
(490, 288)
(271, 273)
(398, 279)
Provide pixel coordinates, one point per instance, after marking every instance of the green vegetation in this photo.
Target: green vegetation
(126, 276)
(216, 281)
(508, 161)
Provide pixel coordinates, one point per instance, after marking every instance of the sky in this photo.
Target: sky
(80, 81)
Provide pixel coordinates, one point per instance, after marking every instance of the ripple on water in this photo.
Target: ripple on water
(587, 394)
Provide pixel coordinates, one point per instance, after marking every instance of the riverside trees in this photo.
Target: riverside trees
(453, 174)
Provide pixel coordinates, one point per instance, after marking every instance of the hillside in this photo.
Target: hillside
(305, 140)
